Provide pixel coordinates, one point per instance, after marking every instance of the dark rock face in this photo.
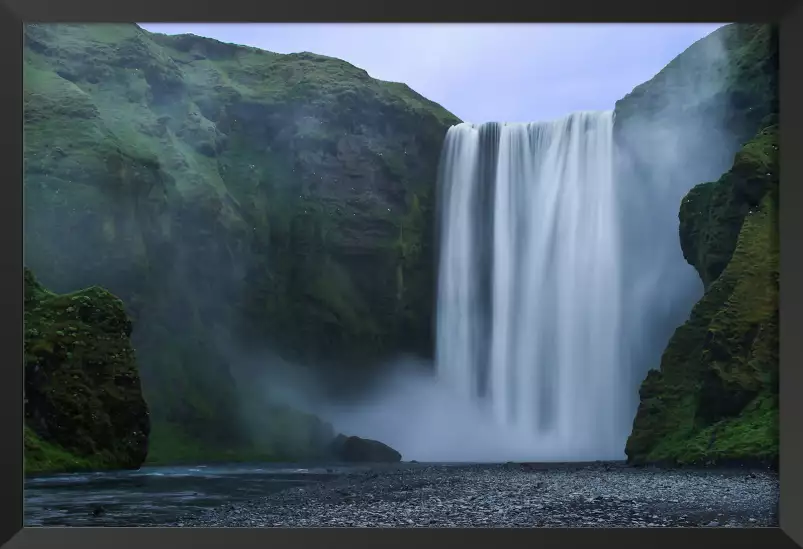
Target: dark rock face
(715, 397)
(83, 401)
(283, 199)
(356, 449)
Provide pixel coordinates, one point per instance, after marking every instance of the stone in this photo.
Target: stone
(356, 449)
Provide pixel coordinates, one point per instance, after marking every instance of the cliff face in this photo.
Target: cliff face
(714, 397)
(281, 200)
(678, 129)
(83, 401)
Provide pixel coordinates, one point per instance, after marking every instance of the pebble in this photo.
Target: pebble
(514, 496)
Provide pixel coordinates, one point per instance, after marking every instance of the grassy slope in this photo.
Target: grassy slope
(83, 400)
(715, 396)
(282, 199)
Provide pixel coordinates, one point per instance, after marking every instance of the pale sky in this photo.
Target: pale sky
(483, 72)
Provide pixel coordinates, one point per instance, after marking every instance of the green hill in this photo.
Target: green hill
(284, 201)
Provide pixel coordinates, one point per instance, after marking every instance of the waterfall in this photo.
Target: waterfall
(529, 284)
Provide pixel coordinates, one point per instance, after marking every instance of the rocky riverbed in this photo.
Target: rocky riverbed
(514, 495)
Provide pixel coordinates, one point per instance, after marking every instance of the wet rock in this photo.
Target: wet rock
(356, 449)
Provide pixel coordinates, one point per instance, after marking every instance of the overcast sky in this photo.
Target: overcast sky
(484, 72)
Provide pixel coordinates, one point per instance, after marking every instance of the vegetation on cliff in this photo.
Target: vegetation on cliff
(84, 407)
(711, 110)
(281, 200)
(715, 398)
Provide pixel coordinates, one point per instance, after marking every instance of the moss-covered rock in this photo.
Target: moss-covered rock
(715, 398)
(711, 215)
(682, 127)
(286, 200)
(84, 407)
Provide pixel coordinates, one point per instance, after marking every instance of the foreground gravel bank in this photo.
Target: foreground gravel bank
(513, 495)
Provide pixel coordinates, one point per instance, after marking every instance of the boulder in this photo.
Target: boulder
(356, 449)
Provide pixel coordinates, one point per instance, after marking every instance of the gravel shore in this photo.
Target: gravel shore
(515, 495)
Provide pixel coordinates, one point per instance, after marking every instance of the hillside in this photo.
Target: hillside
(280, 201)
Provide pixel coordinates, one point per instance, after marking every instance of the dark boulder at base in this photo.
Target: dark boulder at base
(356, 449)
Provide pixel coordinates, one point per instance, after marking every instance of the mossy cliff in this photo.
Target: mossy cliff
(281, 200)
(715, 102)
(715, 397)
(83, 401)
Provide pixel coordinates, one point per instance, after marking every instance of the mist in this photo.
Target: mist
(426, 420)
(660, 155)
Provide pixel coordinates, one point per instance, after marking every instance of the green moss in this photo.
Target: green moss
(711, 214)
(715, 396)
(279, 434)
(43, 457)
(83, 403)
(172, 445)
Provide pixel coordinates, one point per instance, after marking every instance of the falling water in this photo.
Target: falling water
(529, 291)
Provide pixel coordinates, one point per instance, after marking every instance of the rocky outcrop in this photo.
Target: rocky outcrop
(678, 129)
(84, 407)
(715, 397)
(285, 200)
(356, 449)
(711, 111)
